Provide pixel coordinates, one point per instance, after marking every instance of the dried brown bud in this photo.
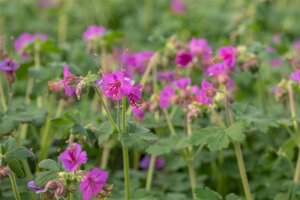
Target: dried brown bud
(51, 185)
(60, 191)
(222, 79)
(4, 171)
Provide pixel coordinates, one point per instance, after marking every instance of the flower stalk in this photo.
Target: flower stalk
(238, 153)
(295, 125)
(125, 150)
(14, 186)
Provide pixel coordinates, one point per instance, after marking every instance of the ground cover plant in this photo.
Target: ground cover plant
(149, 100)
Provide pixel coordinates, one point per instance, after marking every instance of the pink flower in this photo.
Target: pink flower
(25, 40)
(145, 162)
(217, 70)
(296, 46)
(168, 76)
(270, 49)
(275, 63)
(276, 38)
(200, 48)
(73, 157)
(138, 60)
(9, 66)
(93, 183)
(295, 76)
(228, 55)
(183, 58)
(182, 83)
(166, 97)
(115, 85)
(67, 82)
(178, 7)
(134, 96)
(93, 32)
(138, 113)
(206, 93)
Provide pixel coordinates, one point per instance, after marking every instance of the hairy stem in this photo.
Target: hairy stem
(14, 186)
(238, 153)
(125, 150)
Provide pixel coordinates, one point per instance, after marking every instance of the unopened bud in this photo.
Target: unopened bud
(51, 185)
(211, 92)
(222, 79)
(60, 191)
(4, 171)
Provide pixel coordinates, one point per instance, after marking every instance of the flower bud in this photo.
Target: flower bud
(51, 185)
(60, 191)
(222, 79)
(4, 171)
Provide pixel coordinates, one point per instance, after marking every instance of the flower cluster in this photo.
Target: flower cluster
(115, 86)
(91, 183)
(26, 40)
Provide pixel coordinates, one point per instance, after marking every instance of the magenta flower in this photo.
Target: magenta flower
(182, 84)
(66, 83)
(295, 76)
(206, 93)
(72, 158)
(178, 7)
(137, 60)
(145, 162)
(166, 97)
(93, 183)
(168, 76)
(228, 55)
(217, 70)
(275, 63)
(200, 48)
(9, 66)
(25, 40)
(183, 58)
(115, 85)
(138, 113)
(134, 96)
(31, 186)
(93, 32)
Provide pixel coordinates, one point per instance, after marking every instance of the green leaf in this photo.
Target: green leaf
(15, 166)
(18, 154)
(50, 165)
(236, 131)
(232, 196)
(207, 194)
(43, 177)
(137, 140)
(214, 137)
(163, 146)
(6, 125)
(104, 131)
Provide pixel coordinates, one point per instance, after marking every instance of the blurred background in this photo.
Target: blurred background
(147, 23)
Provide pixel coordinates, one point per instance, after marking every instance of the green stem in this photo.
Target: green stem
(3, 102)
(150, 173)
(14, 186)
(125, 151)
(170, 125)
(295, 124)
(108, 115)
(37, 63)
(192, 176)
(46, 141)
(238, 153)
